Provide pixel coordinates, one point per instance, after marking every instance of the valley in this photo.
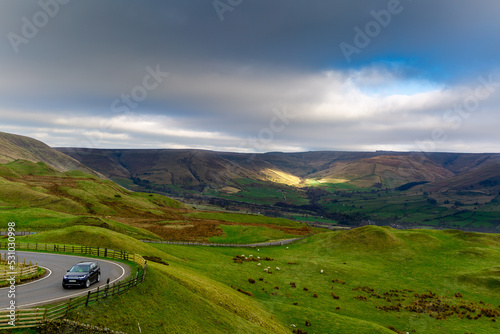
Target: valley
(436, 190)
(359, 278)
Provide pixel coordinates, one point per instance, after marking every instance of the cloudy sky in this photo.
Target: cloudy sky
(253, 76)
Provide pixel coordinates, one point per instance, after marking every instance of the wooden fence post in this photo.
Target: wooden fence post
(106, 288)
(67, 308)
(87, 301)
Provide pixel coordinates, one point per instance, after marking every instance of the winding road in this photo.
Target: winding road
(48, 289)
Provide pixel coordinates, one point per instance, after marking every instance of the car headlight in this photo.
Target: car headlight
(83, 276)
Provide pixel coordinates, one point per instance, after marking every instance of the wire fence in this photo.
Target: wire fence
(32, 317)
(260, 244)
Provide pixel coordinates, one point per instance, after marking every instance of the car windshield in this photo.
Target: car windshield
(79, 268)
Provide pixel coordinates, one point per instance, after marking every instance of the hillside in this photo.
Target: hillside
(38, 198)
(349, 188)
(365, 280)
(16, 147)
(194, 168)
(453, 190)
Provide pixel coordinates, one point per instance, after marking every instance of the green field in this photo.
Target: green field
(381, 277)
(39, 198)
(324, 202)
(365, 280)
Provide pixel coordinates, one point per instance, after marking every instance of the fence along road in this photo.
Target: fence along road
(49, 288)
(259, 244)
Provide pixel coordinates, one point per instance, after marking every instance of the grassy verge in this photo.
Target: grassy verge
(237, 234)
(410, 262)
(175, 300)
(364, 280)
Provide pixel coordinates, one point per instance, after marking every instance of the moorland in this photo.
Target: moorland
(368, 279)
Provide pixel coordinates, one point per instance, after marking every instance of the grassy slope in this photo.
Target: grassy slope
(172, 299)
(175, 300)
(384, 259)
(249, 234)
(39, 198)
(92, 236)
(15, 147)
(197, 291)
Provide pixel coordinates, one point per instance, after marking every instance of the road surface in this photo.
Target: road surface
(49, 289)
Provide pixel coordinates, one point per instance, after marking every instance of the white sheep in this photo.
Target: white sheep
(258, 264)
(321, 271)
(258, 250)
(258, 257)
(287, 247)
(277, 268)
(293, 325)
(266, 269)
(250, 255)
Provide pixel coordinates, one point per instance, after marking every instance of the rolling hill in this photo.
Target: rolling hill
(352, 188)
(198, 168)
(43, 196)
(15, 147)
(454, 190)
(365, 280)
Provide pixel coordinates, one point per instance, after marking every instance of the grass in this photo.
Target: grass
(198, 291)
(183, 302)
(479, 209)
(261, 192)
(92, 236)
(382, 258)
(204, 290)
(39, 198)
(244, 218)
(237, 234)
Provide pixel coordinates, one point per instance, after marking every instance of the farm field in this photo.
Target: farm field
(39, 198)
(350, 205)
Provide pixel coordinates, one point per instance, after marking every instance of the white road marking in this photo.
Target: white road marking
(76, 294)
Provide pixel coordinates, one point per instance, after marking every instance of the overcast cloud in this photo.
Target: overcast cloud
(240, 75)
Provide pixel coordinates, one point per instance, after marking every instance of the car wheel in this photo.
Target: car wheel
(98, 277)
(87, 283)
(64, 286)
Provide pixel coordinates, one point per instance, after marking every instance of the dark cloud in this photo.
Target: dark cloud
(60, 82)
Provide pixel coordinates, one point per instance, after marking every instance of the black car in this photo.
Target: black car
(82, 274)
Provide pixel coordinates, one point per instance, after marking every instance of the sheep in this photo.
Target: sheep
(258, 264)
(258, 257)
(258, 250)
(266, 269)
(250, 255)
(277, 268)
(286, 247)
(321, 271)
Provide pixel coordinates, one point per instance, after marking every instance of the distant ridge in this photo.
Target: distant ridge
(15, 147)
(199, 168)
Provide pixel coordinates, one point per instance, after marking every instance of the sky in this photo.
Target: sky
(253, 76)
